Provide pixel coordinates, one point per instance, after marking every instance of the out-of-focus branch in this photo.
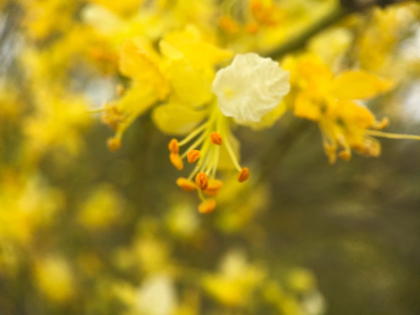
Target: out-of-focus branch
(345, 8)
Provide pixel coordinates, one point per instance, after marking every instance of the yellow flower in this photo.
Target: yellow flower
(333, 102)
(250, 87)
(58, 122)
(194, 102)
(44, 18)
(55, 278)
(235, 282)
(101, 209)
(127, 7)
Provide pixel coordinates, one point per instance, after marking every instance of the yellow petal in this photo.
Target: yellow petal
(269, 119)
(125, 7)
(355, 115)
(189, 42)
(306, 106)
(177, 119)
(137, 100)
(190, 86)
(357, 85)
(139, 61)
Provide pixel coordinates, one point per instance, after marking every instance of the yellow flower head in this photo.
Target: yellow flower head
(334, 103)
(195, 103)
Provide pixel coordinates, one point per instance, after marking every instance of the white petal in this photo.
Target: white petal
(250, 87)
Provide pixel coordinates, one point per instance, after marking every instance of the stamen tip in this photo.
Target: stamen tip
(201, 180)
(114, 144)
(216, 138)
(120, 89)
(243, 175)
(214, 187)
(345, 155)
(173, 146)
(207, 206)
(193, 156)
(186, 184)
(176, 161)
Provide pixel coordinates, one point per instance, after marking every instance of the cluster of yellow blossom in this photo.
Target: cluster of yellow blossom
(73, 228)
(334, 103)
(187, 85)
(190, 98)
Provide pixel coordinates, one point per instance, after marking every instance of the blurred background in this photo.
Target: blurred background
(87, 231)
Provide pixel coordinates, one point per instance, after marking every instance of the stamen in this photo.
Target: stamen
(345, 155)
(381, 134)
(213, 187)
(111, 116)
(207, 206)
(202, 181)
(243, 175)
(176, 161)
(193, 134)
(232, 155)
(252, 28)
(379, 125)
(195, 144)
(227, 24)
(330, 151)
(120, 90)
(114, 144)
(216, 138)
(186, 184)
(173, 146)
(193, 156)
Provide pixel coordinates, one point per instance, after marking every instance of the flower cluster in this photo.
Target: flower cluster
(197, 102)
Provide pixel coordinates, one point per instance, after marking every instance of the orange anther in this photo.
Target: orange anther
(243, 175)
(120, 89)
(207, 206)
(112, 117)
(176, 161)
(229, 25)
(216, 138)
(213, 187)
(201, 180)
(381, 124)
(252, 28)
(114, 144)
(173, 146)
(256, 5)
(193, 156)
(186, 184)
(345, 155)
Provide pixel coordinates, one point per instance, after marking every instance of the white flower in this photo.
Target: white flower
(157, 296)
(250, 87)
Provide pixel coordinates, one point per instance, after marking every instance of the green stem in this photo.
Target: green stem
(338, 13)
(300, 41)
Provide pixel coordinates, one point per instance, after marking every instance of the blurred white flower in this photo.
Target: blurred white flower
(157, 296)
(250, 87)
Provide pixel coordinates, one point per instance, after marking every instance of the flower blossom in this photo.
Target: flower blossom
(250, 87)
(190, 99)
